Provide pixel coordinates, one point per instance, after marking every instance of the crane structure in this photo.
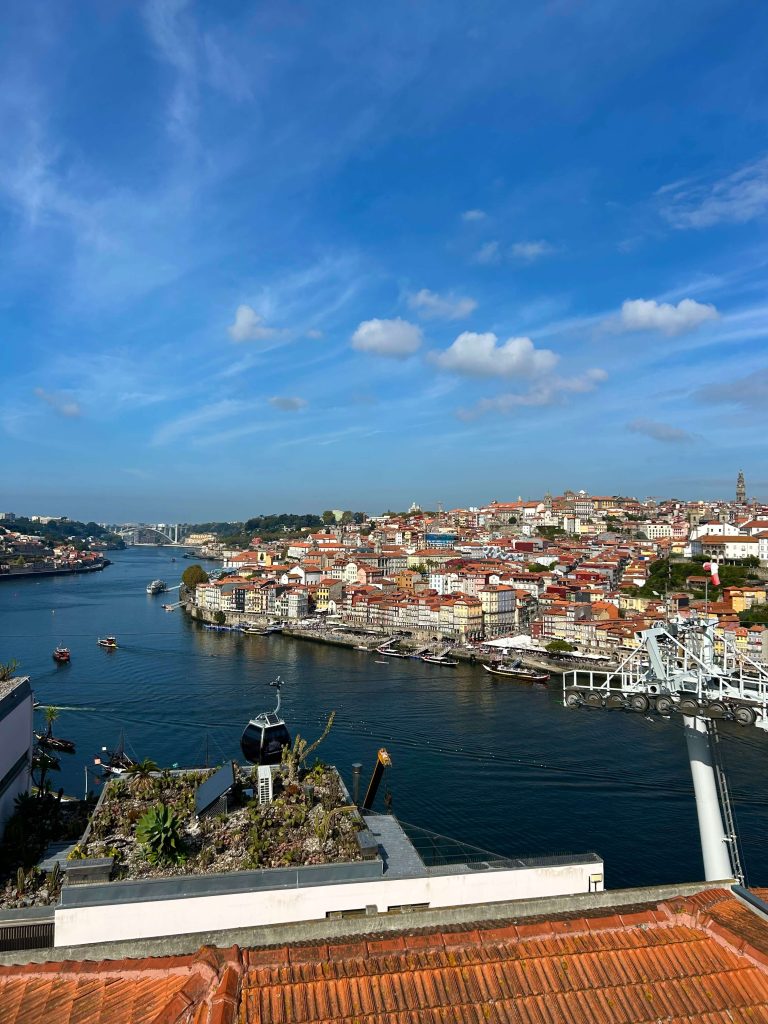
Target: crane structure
(680, 667)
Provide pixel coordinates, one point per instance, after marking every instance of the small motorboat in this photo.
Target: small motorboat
(437, 660)
(518, 671)
(54, 743)
(61, 655)
(109, 642)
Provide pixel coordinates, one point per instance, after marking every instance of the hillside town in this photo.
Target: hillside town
(572, 573)
(50, 545)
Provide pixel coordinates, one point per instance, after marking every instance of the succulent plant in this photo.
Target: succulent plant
(158, 832)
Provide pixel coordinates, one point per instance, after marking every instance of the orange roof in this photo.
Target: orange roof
(691, 961)
(700, 959)
(199, 989)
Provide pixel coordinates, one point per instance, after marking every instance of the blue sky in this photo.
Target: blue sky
(265, 256)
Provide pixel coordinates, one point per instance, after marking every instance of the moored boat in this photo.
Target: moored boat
(437, 660)
(61, 655)
(109, 642)
(156, 587)
(115, 762)
(54, 743)
(518, 671)
(389, 653)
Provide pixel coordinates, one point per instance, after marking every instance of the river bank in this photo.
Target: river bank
(338, 637)
(22, 574)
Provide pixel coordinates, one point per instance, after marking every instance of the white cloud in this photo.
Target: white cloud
(249, 326)
(443, 307)
(479, 355)
(473, 215)
(549, 391)
(737, 198)
(63, 406)
(314, 334)
(288, 404)
(395, 338)
(531, 251)
(659, 431)
(487, 254)
(649, 315)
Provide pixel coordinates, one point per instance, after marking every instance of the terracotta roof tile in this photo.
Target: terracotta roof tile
(679, 963)
(201, 989)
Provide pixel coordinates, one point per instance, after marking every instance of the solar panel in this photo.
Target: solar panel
(214, 788)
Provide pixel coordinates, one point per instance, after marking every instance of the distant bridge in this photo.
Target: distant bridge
(164, 533)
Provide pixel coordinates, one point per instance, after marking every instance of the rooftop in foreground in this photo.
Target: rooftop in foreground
(700, 958)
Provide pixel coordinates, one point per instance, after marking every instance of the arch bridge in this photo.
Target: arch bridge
(165, 534)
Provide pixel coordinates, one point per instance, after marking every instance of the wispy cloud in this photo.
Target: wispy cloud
(529, 252)
(430, 305)
(657, 431)
(488, 254)
(66, 407)
(739, 197)
(193, 422)
(749, 392)
(473, 216)
(549, 391)
(287, 404)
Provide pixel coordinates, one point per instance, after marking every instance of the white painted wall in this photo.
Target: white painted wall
(15, 740)
(78, 925)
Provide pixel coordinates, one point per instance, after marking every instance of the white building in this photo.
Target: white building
(16, 701)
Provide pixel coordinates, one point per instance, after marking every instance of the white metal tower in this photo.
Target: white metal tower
(680, 667)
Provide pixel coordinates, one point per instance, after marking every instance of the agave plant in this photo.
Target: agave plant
(158, 832)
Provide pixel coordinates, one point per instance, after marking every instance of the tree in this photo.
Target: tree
(193, 575)
(359, 517)
(559, 647)
(328, 518)
(219, 618)
(346, 518)
(51, 714)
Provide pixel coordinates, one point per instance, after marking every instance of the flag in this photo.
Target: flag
(713, 568)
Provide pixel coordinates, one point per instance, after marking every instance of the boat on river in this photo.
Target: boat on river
(54, 743)
(115, 762)
(516, 670)
(109, 642)
(61, 655)
(157, 587)
(436, 659)
(387, 652)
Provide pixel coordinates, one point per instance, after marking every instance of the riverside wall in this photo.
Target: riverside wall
(411, 644)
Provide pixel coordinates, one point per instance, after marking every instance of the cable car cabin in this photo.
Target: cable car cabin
(264, 737)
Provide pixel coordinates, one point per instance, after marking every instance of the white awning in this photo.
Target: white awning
(523, 642)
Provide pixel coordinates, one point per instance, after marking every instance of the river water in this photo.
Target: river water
(501, 765)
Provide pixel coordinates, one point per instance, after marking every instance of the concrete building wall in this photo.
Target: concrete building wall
(113, 922)
(16, 702)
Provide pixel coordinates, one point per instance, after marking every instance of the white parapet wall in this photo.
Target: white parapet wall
(148, 918)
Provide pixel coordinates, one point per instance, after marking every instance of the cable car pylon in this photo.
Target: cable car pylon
(675, 670)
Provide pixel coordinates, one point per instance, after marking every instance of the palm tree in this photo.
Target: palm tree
(51, 714)
(141, 775)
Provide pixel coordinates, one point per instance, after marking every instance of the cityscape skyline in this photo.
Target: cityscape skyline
(318, 255)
